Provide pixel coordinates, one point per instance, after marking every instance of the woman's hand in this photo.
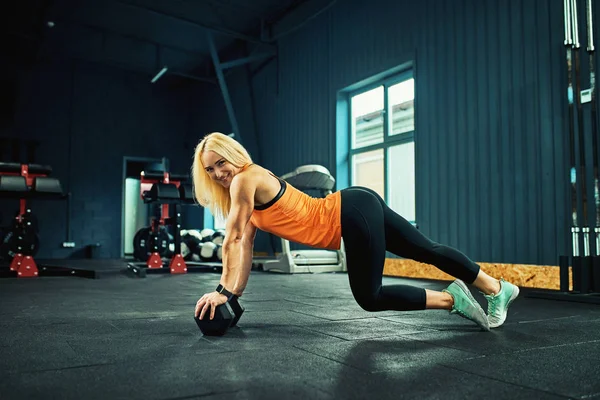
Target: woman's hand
(209, 302)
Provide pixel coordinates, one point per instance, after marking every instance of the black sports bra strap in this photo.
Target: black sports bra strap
(277, 197)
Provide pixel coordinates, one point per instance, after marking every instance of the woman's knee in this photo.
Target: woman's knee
(367, 301)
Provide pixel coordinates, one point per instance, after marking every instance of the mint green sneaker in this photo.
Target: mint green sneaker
(465, 304)
(498, 303)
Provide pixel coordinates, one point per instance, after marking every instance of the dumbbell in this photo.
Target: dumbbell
(190, 245)
(207, 234)
(226, 316)
(218, 237)
(208, 251)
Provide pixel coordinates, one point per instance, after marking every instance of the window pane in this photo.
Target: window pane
(367, 170)
(367, 118)
(402, 103)
(401, 180)
(220, 223)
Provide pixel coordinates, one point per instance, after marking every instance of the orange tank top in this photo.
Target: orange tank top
(303, 219)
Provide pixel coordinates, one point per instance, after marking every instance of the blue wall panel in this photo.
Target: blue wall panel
(87, 118)
(491, 120)
(491, 137)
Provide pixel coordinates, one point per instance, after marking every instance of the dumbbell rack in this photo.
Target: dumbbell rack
(161, 189)
(22, 182)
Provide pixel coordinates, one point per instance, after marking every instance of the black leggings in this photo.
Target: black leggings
(369, 228)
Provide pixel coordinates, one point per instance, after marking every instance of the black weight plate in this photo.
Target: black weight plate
(141, 243)
(159, 242)
(25, 242)
(145, 242)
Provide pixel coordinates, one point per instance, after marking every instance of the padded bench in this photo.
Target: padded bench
(14, 186)
(32, 168)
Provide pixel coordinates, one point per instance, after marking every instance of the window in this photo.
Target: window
(213, 222)
(382, 151)
(220, 223)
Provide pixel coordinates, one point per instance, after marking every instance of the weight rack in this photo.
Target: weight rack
(583, 262)
(23, 182)
(165, 190)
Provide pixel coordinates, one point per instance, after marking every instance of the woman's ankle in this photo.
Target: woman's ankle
(486, 284)
(438, 300)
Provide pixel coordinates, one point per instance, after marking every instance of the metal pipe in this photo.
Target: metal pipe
(590, 26)
(246, 60)
(567, 15)
(215, 29)
(575, 25)
(222, 83)
(193, 77)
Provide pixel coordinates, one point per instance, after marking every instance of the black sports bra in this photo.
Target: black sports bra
(277, 197)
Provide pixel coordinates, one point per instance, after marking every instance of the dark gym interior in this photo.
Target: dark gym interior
(493, 152)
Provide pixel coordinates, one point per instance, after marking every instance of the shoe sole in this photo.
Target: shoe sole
(513, 296)
(468, 293)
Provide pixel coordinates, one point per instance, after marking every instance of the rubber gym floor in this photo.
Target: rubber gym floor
(301, 337)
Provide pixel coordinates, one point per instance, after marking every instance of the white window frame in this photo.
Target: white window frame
(388, 140)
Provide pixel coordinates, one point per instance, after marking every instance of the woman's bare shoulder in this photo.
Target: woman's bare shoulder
(257, 172)
(266, 183)
(252, 175)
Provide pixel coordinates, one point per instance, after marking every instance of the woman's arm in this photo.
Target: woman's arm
(246, 259)
(237, 248)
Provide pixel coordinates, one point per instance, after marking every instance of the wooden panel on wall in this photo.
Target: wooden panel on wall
(532, 276)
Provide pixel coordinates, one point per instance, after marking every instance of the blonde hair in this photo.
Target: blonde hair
(207, 192)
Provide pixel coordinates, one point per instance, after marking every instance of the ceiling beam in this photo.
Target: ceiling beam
(246, 60)
(235, 7)
(223, 84)
(215, 29)
(298, 17)
(197, 78)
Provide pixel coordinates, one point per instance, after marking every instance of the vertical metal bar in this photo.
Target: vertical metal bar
(585, 246)
(592, 67)
(567, 15)
(575, 230)
(575, 24)
(71, 134)
(222, 84)
(590, 26)
(349, 116)
(387, 123)
(595, 265)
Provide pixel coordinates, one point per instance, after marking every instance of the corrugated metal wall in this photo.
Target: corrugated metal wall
(491, 131)
(293, 102)
(482, 68)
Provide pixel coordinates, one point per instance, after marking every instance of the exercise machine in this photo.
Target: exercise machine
(307, 178)
(20, 243)
(166, 192)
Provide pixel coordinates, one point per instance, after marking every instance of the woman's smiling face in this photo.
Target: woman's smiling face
(218, 168)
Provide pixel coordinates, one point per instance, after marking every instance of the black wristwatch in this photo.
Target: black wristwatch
(221, 289)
